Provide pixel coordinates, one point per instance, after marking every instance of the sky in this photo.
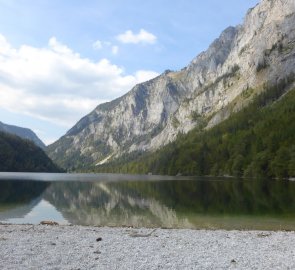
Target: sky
(60, 59)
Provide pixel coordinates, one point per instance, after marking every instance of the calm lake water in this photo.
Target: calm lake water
(149, 201)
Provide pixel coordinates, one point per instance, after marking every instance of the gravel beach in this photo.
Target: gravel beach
(78, 247)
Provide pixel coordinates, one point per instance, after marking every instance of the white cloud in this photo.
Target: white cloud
(97, 45)
(59, 47)
(142, 37)
(115, 49)
(145, 75)
(56, 84)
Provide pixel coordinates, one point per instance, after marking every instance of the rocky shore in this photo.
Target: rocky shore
(78, 247)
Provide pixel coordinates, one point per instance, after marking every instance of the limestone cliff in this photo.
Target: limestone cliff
(215, 84)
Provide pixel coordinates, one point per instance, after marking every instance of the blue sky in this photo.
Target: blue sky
(59, 59)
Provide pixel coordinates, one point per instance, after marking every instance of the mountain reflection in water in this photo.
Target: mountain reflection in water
(229, 204)
(111, 204)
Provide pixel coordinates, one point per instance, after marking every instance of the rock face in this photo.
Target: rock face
(215, 84)
(24, 133)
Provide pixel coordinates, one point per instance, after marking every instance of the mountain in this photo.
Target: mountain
(20, 155)
(219, 82)
(258, 141)
(24, 133)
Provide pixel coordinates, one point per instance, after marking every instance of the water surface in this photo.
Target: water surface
(149, 201)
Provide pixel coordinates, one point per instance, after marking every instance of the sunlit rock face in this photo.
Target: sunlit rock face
(218, 82)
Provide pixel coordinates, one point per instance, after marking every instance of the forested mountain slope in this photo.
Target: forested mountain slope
(258, 141)
(24, 133)
(19, 155)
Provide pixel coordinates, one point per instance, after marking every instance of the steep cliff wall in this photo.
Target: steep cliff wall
(218, 82)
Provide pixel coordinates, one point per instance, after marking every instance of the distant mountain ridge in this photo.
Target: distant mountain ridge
(216, 84)
(24, 133)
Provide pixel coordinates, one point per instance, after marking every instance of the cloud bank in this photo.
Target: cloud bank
(56, 84)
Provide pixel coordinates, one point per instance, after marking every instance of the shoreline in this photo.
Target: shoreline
(105, 177)
(209, 228)
(88, 247)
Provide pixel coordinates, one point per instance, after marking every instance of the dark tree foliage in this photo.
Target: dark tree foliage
(258, 141)
(19, 155)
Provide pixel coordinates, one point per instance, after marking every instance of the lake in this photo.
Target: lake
(147, 201)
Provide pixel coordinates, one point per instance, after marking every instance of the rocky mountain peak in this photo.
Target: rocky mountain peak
(217, 51)
(215, 84)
